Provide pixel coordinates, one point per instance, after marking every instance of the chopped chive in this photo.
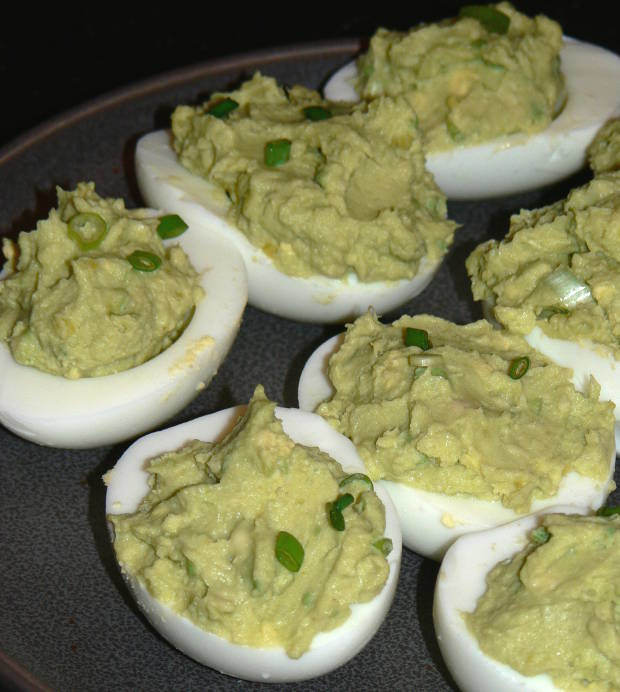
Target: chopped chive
(343, 501)
(144, 261)
(518, 367)
(384, 545)
(608, 511)
(417, 337)
(491, 19)
(222, 108)
(190, 567)
(549, 311)
(277, 152)
(336, 518)
(87, 229)
(171, 226)
(356, 477)
(455, 134)
(540, 535)
(317, 113)
(289, 551)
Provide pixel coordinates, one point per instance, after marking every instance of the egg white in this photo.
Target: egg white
(59, 412)
(165, 183)
(127, 485)
(585, 359)
(517, 163)
(460, 583)
(430, 521)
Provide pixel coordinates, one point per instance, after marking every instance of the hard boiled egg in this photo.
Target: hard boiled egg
(166, 184)
(585, 359)
(460, 582)
(517, 163)
(55, 411)
(127, 485)
(430, 521)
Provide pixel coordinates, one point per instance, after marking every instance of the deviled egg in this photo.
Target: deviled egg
(330, 205)
(501, 110)
(466, 428)
(266, 555)
(555, 279)
(108, 328)
(552, 628)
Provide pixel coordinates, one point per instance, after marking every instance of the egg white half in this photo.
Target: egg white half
(166, 184)
(91, 411)
(127, 485)
(430, 522)
(585, 359)
(517, 163)
(460, 583)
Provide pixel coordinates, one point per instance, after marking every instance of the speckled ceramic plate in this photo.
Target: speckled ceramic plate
(67, 620)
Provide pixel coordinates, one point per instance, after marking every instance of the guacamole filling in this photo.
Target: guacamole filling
(553, 608)
(558, 268)
(469, 80)
(208, 538)
(604, 152)
(467, 410)
(93, 290)
(321, 188)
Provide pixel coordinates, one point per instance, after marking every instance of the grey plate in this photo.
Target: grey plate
(67, 620)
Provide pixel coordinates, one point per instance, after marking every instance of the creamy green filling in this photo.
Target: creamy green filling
(469, 83)
(322, 188)
(554, 608)
(457, 419)
(604, 152)
(93, 290)
(558, 267)
(207, 539)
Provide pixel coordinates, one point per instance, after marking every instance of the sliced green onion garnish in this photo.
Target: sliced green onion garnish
(356, 477)
(425, 360)
(317, 113)
(455, 134)
(190, 567)
(289, 551)
(144, 261)
(569, 290)
(277, 152)
(336, 518)
(87, 230)
(439, 372)
(607, 511)
(171, 226)
(417, 337)
(222, 108)
(518, 367)
(343, 501)
(491, 19)
(541, 535)
(384, 545)
(545, 313)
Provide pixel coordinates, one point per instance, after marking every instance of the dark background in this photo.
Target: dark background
(53, 59)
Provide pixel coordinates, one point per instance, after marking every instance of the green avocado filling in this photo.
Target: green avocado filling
(236, 536)
(322, 188)
(553, 608)
(93, 290)
(453, 419)
(558, 267)
(604, 152)
(490, 72)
